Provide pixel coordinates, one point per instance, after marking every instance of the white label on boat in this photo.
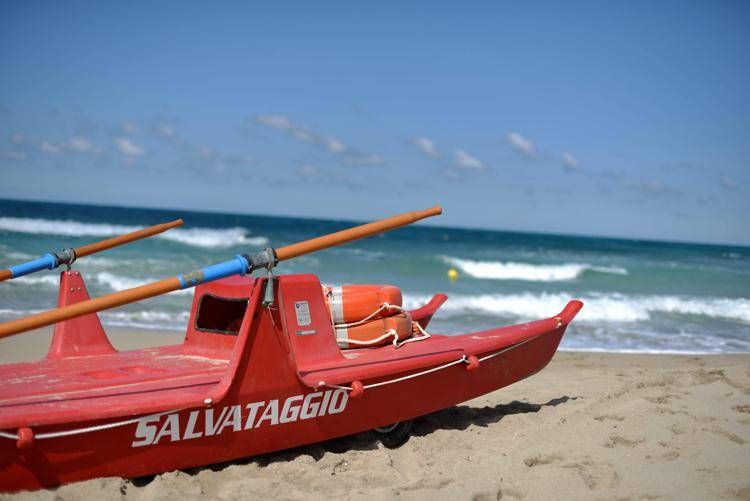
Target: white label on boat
(177, 426)
(302, 310)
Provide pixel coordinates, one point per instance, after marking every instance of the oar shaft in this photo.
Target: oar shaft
(85, 307)
(51, 261)
(240, 265)
(356, 233)
(86, 250)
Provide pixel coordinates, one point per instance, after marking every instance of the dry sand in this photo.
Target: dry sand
(589, 426)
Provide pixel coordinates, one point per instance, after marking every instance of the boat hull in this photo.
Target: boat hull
(111, 452)
(268, 403)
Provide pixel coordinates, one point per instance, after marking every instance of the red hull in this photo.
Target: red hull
(259, 391)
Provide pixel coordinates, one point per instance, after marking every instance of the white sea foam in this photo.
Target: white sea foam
(50, 280)
(144, 319)
(118, 282)
(196, 237)
(153, 319)
(103, 278)
(598, 308)
(497, 270)
(19, 255)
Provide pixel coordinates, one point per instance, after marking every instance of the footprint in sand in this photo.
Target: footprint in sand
(618, 441)
(609, 416)
(595, 475)
(541, 459)
(702, 376)
(661, 400)
(726, 434)
(676, 429)
(506, 493)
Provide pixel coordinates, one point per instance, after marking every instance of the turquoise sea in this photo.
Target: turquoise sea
(640, 296)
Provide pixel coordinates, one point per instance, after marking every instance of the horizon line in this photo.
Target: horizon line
(428, 222)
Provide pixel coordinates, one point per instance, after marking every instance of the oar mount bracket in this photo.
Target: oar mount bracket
(66, 256)
(265, 259)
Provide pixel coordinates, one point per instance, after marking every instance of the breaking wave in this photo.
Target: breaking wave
(52, 280)
(597, 308)
(103, 278)
(196, 237)
(497, 270)
(146, 319)
(154, 320)
(118, 282)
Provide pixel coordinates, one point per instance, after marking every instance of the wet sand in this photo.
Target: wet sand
(589, 426)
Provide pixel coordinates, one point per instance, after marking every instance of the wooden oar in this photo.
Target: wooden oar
(51, 261)
(240, 265)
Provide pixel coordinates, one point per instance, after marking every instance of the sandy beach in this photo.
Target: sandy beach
(589, 426)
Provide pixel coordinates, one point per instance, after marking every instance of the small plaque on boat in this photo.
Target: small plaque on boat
(305, 333)
(302, 310)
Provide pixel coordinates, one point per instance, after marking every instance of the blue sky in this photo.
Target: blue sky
(625, 119)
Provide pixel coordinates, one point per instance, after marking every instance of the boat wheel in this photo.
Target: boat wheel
(394, 435)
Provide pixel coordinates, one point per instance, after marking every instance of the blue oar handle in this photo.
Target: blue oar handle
(240, 265)
(46, 262)
(237, 266)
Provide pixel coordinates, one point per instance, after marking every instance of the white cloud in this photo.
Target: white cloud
(129, 128)
(569, 161)
(13, 155)
(729, 183)
(280, 122)
(50, 148)
(201, 158)
(203, 152)
(360, 159)
(334, 145)
(17, 138)
(164, 130)
(309, 171)
(452, 174)
(426, 146)
(78, 144)
(644, 185)
(128, 148)
(463, 160)
(521, 144)
(284, 124)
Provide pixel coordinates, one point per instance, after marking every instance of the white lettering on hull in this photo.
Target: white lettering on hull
(206, 423)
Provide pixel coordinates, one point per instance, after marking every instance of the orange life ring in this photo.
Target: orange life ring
(352, 303)
(375, 332)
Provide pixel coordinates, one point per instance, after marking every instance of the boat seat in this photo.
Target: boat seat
(371, 363)
(100, 384)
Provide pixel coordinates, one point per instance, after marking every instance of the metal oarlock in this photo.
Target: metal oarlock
(67, 257)
(266, 259)
(268, 293)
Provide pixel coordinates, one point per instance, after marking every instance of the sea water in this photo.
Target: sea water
(640, 296)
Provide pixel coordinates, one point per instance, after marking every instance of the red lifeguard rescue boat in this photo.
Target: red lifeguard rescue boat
(259, 370)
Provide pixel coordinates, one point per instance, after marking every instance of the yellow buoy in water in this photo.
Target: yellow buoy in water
(452, 275)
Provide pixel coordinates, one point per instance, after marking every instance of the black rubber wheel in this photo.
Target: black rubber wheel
(394, 435)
